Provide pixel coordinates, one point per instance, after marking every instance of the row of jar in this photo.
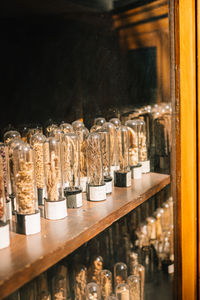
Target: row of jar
(50, 170)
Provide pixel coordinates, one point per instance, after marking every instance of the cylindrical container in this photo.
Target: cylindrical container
(114, 161)
(11, 145)
(99, 121)
(134, 287)
(122, 291)
(82, 133)
(32, 131)
(105, 278)
(55, 204)
(11, 135)
(50, 128)
(120, 273)
(57, 133)
(27, 215)
(165, 219)
(115, 121)
(105, 147)
(77, 124)
(158, 215)
(96, 185)
(37, 141)
(139, 271)
(143, 151)
(122, 178)
(151, 229)
(133, 260)
(96, 266)
(66, 127)
(80, 281)
(136, 168)
(6, 176)
(4, 227)
(95, 128)
(70, 161)
(93, 291)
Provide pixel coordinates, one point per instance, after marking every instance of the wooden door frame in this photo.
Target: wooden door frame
(184, 165)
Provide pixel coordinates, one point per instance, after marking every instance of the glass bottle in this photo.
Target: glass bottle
(115, 121)
(27, 213)
(66, 127)
(105, 147)
(32, 131)
(114, 162)
(122, 177)
(133, 260)
(24, 172)
(80, 281)
(57, 133)
(96, 185)
(70, 160)
(142, 142)
(50, 128)
(82, 133)
(55, 204)
(99, 121)
(11, 135)
(95, 128)
(96, 266)
(120, 273)
(122, 291)
(93, 291)
(77, 124)
(37, 142)
(134, 287)
(11, 145)
(105, 282)
(139, 271)
(4, 227)
(6, 176)
(133, 142)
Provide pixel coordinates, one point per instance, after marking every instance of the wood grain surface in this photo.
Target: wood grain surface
(28, 256)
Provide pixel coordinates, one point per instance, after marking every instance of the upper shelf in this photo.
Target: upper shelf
(28, 256)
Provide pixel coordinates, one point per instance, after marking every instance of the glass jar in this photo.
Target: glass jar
(115, 121)
(50, 128)
(66, 127)
(94, 159)
(3, 217)
(143, 154)
(96, 266)
(105, 282)
(80, 281)
(139, 272)
(77, 124)
(11, 135)
(37, 142)
(57, 133)
(111, 128)
(24, 174)
(120, 273)
(133, 142)
(122, 291)
(93, 291)
(52, 167)
(99, 121)
(95, 128)
(32, 131)
(134, 287)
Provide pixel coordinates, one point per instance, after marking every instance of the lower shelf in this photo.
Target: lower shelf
(28, 256)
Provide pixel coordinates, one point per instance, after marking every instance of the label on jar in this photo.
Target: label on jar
(32, 223)
(55, 210)
(8, 210)
(83, 183)
(109, 185)
(137, 172)
(74, 201)
(5, 236)
(97, 193)
(171, 269)
(145, 166)
(128, 179)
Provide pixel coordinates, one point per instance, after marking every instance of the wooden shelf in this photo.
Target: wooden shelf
(28, 256)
